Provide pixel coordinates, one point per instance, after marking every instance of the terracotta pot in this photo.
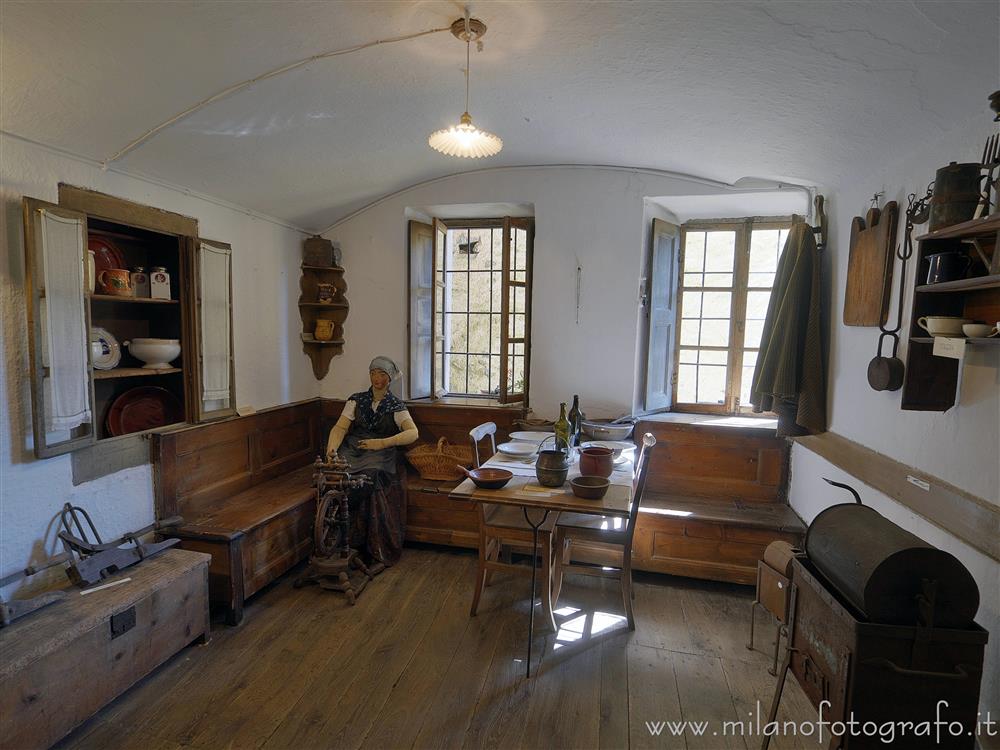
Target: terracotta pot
(324, 330)
(597, 462)
(116, 281)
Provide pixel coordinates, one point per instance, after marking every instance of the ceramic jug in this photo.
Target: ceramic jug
(324, 329)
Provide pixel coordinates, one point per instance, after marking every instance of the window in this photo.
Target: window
(728, 269)
(470, 308)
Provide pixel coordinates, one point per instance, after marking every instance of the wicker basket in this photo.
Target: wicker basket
(439, 462)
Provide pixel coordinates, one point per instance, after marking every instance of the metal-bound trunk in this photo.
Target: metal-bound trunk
(887, 573)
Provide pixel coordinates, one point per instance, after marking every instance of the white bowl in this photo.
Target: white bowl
(978, 330)
(156, 353)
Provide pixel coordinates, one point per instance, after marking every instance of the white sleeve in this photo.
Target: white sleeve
(349, 408)
(400, 417)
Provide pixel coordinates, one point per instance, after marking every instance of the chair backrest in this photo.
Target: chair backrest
(639, 484)
(479, 432)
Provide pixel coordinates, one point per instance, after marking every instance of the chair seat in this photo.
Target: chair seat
(512, 517)
(611, 526)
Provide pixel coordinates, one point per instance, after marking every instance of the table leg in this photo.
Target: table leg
(534, 568)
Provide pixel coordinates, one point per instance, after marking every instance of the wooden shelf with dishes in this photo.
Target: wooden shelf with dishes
(133, 372)
(931, 382)
(131, 300)
(324, 283)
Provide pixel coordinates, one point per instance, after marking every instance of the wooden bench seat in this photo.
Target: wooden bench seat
(244, 489)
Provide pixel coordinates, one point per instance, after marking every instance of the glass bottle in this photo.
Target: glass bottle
(574, 421)
(562, 429)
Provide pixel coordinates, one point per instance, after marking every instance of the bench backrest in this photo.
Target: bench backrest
(197, 465)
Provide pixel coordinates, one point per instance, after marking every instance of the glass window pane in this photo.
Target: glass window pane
(712, 357)
(749, 362)
(495, 331)
(711, 384)
(520, 276)
(718, 279)
(479, 253)
(693, 279)
(720, 251)
(518, 371)
(760, 279)
(458, 249)
(519, 299)
(519, 326)
(689, 332)
(764, 250)
(479, 334)
(520, 239)
(496, 241)
(479, 376)
(714, 333)
(689, 356)
(691, 304)
(517, 349)
(479, 292)
(687, 383)
(495, 374)
(456, 373)
(458, 333)
(717, 304)
(752, 333)
(457, 298)
(757, 305)
(497, 291)
(694, 251)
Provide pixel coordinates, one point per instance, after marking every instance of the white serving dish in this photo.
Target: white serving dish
(156, 353)
(518, 449)
(620, 447)
(105, 352)
(532, 436)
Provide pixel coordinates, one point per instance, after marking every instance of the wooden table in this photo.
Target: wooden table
(524, 491)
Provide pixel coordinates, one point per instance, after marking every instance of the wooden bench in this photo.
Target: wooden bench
(244, 488)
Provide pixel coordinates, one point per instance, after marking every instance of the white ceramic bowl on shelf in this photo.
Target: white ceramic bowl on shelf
(156, 353)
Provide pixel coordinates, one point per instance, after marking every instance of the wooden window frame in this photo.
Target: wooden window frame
(506, 224)
(743, 227)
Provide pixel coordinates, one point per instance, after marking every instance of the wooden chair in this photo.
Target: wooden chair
(601, 529)
(502, 526)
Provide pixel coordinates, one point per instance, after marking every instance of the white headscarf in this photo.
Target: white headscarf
(387, 366)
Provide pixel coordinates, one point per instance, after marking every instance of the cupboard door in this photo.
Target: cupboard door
(215, 372)
(62, 388)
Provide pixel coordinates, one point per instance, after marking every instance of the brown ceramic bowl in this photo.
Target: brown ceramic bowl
(488, 479)
(589, 487)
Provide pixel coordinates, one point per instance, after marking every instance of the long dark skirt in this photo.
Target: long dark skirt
(378, 519)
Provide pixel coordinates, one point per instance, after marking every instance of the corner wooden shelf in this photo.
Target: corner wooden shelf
(311, 310)
(132, 300)
(932, 383)
(133, 372)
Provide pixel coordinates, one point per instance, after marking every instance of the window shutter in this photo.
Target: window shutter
(62, 387)
(662, 315)
(515, 336)
(215, 379)
(421, 328)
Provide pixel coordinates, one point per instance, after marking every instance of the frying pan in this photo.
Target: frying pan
(488, 479)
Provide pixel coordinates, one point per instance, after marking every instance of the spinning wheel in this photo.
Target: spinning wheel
(334, 565)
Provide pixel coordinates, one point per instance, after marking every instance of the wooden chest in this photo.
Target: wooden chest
(63, 663)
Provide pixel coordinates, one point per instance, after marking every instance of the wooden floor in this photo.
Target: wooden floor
(407, 667)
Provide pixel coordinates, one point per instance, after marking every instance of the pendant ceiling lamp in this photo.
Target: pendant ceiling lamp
(465, 139)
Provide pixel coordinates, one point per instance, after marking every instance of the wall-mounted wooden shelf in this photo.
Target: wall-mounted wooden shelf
(132, 372)
(311, 310)
(132, 300)
(931, 383)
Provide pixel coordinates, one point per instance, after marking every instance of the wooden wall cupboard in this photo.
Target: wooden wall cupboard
(71, 399)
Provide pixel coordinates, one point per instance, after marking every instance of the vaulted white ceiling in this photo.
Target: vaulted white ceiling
(812, 92)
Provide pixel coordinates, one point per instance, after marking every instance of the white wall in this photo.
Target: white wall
(270, 366)
(593, 216)
(960, 446)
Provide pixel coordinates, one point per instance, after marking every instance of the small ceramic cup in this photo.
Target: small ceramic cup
(978, 330)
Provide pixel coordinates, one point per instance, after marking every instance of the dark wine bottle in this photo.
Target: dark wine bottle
(574, 421)
(562, 429)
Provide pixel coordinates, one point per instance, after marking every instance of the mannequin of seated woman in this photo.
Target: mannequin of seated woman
(373, 424)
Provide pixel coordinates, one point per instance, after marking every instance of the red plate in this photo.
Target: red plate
(106, 255)
(141, 409)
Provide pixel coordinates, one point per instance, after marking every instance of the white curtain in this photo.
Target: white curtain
(215, 339)
(65, 322)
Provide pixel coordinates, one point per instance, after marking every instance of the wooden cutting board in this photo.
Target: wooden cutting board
(869, 268)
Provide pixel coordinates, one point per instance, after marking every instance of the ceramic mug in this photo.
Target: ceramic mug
(949, 266)
(115, 281)
(942, 325)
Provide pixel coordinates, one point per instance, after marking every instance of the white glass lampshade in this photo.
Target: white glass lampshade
(465, 140)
